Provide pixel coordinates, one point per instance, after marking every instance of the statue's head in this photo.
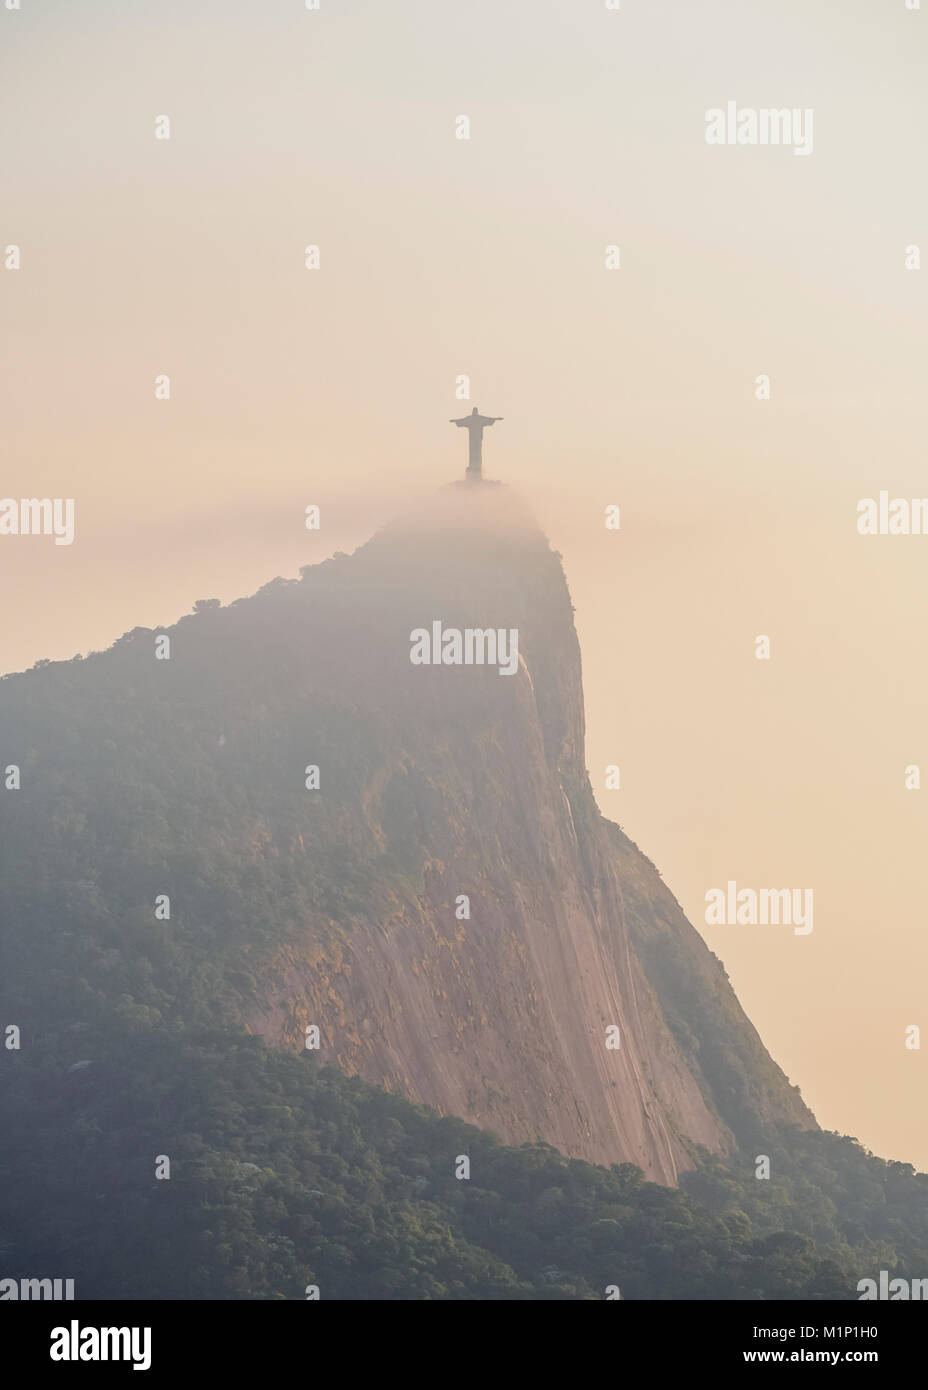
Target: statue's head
(474, 411)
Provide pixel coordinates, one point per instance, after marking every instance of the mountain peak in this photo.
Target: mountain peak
(403, 854)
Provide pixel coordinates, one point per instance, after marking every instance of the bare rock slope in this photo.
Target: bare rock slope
(482, 791)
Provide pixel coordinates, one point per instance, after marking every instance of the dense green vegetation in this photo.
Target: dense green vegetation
(285, 1174)
(140, 778)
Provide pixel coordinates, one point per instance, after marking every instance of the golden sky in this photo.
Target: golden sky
(485, 257)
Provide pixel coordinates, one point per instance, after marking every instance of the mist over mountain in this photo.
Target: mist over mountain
(312, 808)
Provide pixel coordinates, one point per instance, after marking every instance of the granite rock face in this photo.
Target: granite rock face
(480, 790)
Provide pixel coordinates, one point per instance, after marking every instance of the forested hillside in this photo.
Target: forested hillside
(284, 1174)
(179, 904)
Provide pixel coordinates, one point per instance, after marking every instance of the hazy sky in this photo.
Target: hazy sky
(486, 256)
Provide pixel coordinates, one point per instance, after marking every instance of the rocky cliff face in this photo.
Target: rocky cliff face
(340, 906)
(482, 791)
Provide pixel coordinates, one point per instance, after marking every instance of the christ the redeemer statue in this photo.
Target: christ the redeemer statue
(474, 424)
